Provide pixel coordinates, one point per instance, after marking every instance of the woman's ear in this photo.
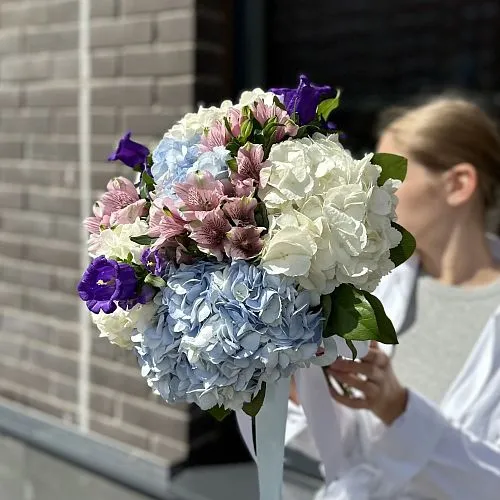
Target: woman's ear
(460, 183)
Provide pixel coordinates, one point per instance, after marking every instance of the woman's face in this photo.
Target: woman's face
(422, 207)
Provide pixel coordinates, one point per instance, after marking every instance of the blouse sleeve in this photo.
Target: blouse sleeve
(449, 461)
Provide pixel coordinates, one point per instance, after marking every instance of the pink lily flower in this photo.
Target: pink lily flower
(243, 242)
(129, 214)
(245, 187)
(263, 112)
(241, 210)
(236, 120)
(217, 135)
(165, 222)
(250, 160)
(200, 193)
(121, 194)
(210, 232)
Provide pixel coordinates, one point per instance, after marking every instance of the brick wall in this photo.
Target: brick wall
(152, 60)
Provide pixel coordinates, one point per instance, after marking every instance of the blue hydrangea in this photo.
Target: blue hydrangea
(172, 159)
(221, 330)
(213, 161)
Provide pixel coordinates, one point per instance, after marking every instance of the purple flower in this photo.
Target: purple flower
(144, 296)
(154, 261)
(304, 99)
(106, 282)
(130, 153)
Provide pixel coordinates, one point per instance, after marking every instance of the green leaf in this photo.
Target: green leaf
(148, 180)
(228, 126)
(268, 143)
(144, 191)
(232, 165)
(233, 146)
(270, 126)
(393, 166)
(386, 331)
(252, 408)
(278, 103)
(260, 215)
(156, 281)
(219, 412)
(246, 130)
(326, 309)
(258, 137)
(358, 315)
(247, 112)
(328, 105)
(406, 247)
(307, 131)
(353, 349)
(147, 184)
(144, 239)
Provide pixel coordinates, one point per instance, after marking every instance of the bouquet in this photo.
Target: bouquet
(247, 248)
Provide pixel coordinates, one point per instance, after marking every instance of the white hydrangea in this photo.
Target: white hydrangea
(121, 325)
(335, 222)
(115, 243)
(195, 123)
(250, 96)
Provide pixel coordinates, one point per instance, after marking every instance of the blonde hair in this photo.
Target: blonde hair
(447, 131)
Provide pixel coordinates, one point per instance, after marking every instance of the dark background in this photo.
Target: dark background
(380, 53)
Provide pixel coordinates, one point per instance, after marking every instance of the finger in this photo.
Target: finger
(377, 357)
(355, 403)
(340, 364)
(367, 387)
(371, 371)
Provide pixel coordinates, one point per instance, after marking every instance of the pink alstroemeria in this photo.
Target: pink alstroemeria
(129, 214)
(249, 161)
(241, 210)
(165, 222)
(243, 242)
(244, 188)
(263, 112)
(93, 224)
(236, 119)
(200, 193)
(217, 135)
(210, 233)
(182, 256)
(121, 194)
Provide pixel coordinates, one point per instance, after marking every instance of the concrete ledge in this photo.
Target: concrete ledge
(103, 457)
